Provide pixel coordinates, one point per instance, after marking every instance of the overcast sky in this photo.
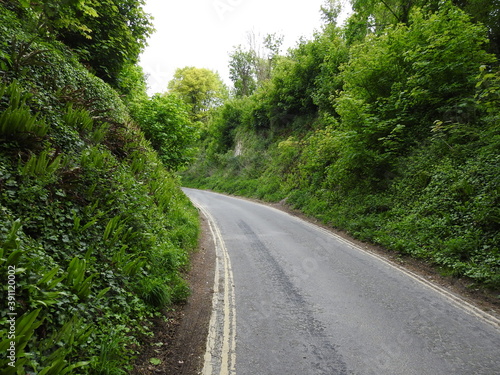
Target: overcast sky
(202, 33)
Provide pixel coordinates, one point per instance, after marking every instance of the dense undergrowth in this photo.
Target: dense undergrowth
(94, 231)
(393, 136)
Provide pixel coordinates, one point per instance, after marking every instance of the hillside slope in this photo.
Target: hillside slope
(391, 135)
(94, 231)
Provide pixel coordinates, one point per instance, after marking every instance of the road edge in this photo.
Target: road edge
(469, 305)
(220, 354)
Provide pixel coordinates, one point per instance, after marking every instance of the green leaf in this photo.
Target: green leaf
(155, 361)
(74, 366)
(102, 293)
(14, 257)
(49, 275)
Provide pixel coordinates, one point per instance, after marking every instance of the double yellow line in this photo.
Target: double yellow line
(220, 354)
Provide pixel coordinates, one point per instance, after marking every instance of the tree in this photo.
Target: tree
(488, 13)
(373, 16)
(107, 35)
(242, 71)
(164, 119)
(305, 80)
(330, 11)
(252, 67)
(131, 83)
(55, 16)
(264, 53)
(266, 62)
(118, 34)
(201, 89)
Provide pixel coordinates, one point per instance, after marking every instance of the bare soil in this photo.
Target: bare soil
(183, 334)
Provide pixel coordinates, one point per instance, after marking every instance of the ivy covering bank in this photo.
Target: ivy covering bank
(94, 231)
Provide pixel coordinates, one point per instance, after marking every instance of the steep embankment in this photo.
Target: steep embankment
(393, 137)
(93, 229)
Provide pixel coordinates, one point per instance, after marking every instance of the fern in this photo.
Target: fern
(41, 165)
(78, 119)
(76, 280)
(17, 121)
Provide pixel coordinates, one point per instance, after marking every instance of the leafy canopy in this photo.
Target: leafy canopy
(107, 35)
(118, 35)
(201, 89)
(251, 67)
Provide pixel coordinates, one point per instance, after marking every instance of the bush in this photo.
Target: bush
(166, 124)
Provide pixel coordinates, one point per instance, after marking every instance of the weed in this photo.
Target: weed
(154, 292)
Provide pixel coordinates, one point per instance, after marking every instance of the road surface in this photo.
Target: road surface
(291, 298)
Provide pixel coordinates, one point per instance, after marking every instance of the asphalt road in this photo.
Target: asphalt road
(291, 298)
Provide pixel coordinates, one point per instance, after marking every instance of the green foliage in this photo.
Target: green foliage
(387, 128)
(87, 210)
(201, 89)
(55, 18)
(118, 35)
(109, 357)
(373, 16)
(131, 83)
(23, 55)
(242, 72)
(299, 85)
(16, 120)
(399, 83)
(233, 114)
(41, 166)
(166, 124)
(154, 292)
(108, 35)
(251, 67)
(488, 93)
(485, 12)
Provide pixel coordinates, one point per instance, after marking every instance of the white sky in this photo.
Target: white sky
(202, 33)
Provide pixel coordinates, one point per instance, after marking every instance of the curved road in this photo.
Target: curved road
(291, 298)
